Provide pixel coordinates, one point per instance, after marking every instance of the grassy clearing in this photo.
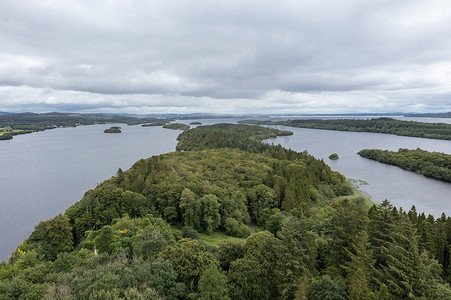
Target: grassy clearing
(358, 193)
(216, 238)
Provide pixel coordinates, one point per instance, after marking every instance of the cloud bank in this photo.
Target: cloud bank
(225, 56)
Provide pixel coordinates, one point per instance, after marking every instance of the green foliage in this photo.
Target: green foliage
(431, 164)
(6, 136)
(235, 228)
(23, 123)
(229, 251)
(327, 289)
(151, 241)
(59, 233)
(213, 285)
(247, 280)
(379, 125)
(333, 156)
(113, 129)
(176, 126)
(190, 259)
(134, 204)
(200, 213)
(275, 222)
(115, 243)
(190, 232)
(227, 136)
(116, 276)
(348, 221)
(52, 237)
(297, 255)
(360, 269)
(165, 280)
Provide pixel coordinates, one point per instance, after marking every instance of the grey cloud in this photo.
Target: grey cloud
(229, 51)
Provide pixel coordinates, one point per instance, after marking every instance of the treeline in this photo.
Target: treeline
(225, 135)
(176, 126)
(113, 129)
(349, 252)
(431, 164)
(22, 123)
(431, 115)
(136, 235)
(378, 125)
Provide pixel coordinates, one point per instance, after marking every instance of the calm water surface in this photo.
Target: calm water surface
(403, 188)
(43, 173)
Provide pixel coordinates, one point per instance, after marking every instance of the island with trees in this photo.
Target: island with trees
(176, 126)
(229, 217)
(113, 129)
(431, 164)
(333, 156)
(23, 123)
(195, 123)
(377, 125)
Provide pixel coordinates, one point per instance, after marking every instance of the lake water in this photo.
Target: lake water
(403, 188)
(43, 173)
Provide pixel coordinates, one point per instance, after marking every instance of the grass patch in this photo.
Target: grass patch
(216, 238)
(358, 193)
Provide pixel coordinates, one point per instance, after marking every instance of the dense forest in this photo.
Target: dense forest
(239, 136)
(176, 126)
(378, 125)
(113, 129)
(431, 164)
(231, 218)
(15, 124)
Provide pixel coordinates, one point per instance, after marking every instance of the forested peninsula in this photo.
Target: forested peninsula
(431, 164)
(378, 125)
(176, 126)
(181, 226)
(22, 123)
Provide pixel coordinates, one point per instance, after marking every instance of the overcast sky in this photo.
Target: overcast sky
(187, 56)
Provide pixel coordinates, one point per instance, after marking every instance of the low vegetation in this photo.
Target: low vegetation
(431, 164)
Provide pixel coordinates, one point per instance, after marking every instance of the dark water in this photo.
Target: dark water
(42, 174)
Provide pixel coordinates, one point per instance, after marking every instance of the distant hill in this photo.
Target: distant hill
(439, 115)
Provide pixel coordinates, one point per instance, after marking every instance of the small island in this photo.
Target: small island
(113, 129)
(176, 126)
(333, 156)
(195, 123)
